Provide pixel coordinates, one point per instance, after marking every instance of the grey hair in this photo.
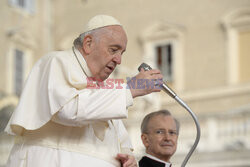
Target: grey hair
(147, 118)
(79, 40)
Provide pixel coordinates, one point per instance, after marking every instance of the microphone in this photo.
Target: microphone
(171, 93)
(164, 86)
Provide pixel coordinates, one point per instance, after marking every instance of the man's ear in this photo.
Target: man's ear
(87, 44)
(144, 139)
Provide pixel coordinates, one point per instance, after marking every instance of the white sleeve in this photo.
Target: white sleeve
(93, 105)
(125, 142)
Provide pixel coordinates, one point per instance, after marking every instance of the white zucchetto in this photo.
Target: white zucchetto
(100, 21)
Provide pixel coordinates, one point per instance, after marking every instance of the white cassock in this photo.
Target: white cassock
(61, 123)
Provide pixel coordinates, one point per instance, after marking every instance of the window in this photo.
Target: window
(164, 60)
(27, 5)
(163, 49)
(237, 26)
(19, 61)
(18, 71)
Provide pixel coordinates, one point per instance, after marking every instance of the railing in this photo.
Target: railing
(227, 131)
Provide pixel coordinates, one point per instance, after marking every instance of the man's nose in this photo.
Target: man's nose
(117, 58)
(167, 136)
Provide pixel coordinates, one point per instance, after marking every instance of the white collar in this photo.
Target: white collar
(82, 62)
(167, 164)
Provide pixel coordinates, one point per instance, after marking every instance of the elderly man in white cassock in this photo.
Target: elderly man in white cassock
(60, 122)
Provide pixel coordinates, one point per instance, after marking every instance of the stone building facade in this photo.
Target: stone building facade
(202, 47)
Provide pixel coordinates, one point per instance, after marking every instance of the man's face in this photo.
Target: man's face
(161, 138)
(106, 51)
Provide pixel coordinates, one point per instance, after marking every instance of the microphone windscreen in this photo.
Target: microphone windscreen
(145, 66)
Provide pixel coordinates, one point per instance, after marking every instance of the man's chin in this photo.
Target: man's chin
(167, 151)
(103, 78)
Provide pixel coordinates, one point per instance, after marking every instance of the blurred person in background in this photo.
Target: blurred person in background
(160, 132)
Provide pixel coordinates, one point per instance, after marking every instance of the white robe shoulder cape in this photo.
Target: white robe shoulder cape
(54, 80)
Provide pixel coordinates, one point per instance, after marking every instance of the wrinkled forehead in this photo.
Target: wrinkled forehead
(111, 30)
(162, 121)
(114, 34)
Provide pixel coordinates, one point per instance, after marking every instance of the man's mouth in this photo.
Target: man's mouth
(111, 68)
(167, 145)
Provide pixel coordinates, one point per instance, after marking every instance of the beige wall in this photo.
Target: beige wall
(207, 75)
(204, 38)
(22, 30)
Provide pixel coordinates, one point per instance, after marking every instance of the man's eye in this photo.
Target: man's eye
(172, 133)
(160, 132)
(113, 50)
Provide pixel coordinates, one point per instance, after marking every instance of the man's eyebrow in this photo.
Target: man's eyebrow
(165, 129)
(118, 46)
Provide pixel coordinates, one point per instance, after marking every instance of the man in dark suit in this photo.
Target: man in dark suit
(160, 132)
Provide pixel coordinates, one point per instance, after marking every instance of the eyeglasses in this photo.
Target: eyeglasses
(163, 132)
